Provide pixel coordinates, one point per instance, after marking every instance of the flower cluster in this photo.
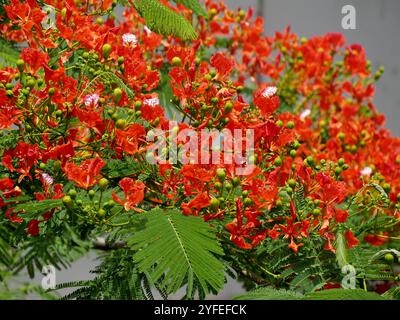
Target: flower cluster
(88, 92)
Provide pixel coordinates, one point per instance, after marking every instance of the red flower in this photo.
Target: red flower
(198, 203)
(341, 215)
(332, 191)
(26, 156)
(130, 138)
(375, 240)
(294, 229)
(352, 241)
(9, 115)
(134, 193)
(13, 217)
(223, 65)
(294, 246)
(60, 152)
(35, 58)
(6, 184)
(85, 175)
(266, 100)
(355, 60)
(241, 230)
(33, 227)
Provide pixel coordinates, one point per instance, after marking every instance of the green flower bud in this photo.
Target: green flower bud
(103, 184)
(67, 202)
(176, 61)
(117, 95)
(106, 50)
(91, 194)
(247, 202)
(120, 124)
(20, 65)
(72, 193)
(221, 174)
(278, 161)
(290, 125)
(214, 203)
(389, 258)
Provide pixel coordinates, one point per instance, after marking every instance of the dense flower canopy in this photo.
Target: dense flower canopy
(89, 91)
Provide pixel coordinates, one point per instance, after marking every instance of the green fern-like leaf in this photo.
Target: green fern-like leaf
(268, 293)
(8, 55)
(5, 248)
(178, 249)
(163, 20)
(393, 293)
(341, 250)
(193, 5)
(34, 207)
(343, 294)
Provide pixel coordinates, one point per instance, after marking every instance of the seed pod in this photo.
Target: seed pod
(138, 105)
(236, 181)
(101, 213)
(228, 186)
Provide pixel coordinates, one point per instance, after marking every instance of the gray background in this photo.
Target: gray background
(378, 30)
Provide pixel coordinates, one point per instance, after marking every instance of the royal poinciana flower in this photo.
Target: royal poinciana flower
(133, 193)
(86, 174)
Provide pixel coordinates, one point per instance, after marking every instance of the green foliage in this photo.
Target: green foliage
(194, 5)
(8, 54)
(268, 293)
(120, 169)
(34, 207)
(343, 294)
(393, 293)
(117, 277)
(369, 264)
(163, 20)
(165, 94)
(341, 250)
(58, 247)
(110, 77)
(178, 250)
(15, 291)
(5, 248)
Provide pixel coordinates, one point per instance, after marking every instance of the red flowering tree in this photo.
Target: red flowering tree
(193, 147)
